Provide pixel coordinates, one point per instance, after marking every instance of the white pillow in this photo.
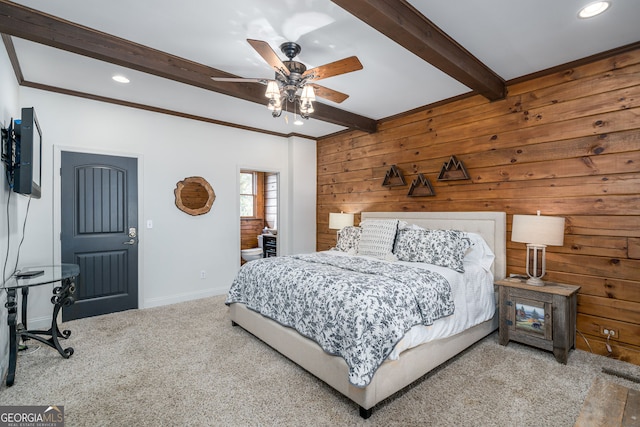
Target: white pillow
(479, 252)
(377, 237)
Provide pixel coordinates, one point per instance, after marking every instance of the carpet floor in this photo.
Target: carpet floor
(184, 364)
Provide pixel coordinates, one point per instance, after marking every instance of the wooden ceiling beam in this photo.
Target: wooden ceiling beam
(405, 25)
(33, 25)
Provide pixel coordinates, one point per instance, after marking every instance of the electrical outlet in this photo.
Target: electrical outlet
(203, 274)
(610, 332)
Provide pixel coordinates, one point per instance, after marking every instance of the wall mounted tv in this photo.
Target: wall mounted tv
(27, 170)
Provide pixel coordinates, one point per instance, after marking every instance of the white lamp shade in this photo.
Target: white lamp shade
(273, 90)
(337, 221)
(308, 94)
(538, 230)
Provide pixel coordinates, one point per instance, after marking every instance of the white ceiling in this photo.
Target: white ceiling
(512, 37)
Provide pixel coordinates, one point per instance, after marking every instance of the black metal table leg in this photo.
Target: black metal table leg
(23, 324)
(25, 300)
(12, 307)
(62, 297)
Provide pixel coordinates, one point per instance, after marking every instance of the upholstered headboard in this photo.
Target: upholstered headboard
(492, 226)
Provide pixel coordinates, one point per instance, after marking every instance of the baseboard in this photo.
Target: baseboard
(173, 299)
(39, 323)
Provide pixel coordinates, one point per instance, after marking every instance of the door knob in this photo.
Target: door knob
(129, 242)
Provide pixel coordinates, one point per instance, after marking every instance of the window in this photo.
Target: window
(247, 194)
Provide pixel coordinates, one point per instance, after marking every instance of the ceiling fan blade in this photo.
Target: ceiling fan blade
(269, 55)
(342, 66)
(239, 80)
(330, 94)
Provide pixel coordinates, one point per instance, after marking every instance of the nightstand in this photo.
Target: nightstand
(540, 316)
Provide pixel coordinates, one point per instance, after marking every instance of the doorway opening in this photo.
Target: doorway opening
(258, 214)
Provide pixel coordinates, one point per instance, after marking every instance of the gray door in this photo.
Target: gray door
(99, 200)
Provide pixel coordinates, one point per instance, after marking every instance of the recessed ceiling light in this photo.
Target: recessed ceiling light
(593, 9)
(120, 78)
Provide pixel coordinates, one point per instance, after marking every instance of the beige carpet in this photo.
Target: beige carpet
(186, 365)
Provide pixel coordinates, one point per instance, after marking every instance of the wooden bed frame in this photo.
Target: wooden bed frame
(393, 375)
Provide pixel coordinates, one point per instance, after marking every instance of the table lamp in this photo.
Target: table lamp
(338, 221)
(537, 232)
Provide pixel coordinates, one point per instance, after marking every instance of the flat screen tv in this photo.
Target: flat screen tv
(27, 170)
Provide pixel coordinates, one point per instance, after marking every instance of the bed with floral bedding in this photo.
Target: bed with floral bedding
(399, 294)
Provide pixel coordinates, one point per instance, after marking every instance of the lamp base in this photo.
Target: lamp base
(536, 265)
(535, 281)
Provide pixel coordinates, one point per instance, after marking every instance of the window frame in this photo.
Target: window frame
(254, 184)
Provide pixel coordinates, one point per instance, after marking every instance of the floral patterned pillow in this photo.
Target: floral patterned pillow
(445, 248)
(348, 239)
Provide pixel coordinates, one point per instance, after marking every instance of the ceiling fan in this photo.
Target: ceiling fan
(292, 76)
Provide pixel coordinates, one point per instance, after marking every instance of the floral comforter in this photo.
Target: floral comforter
(353, 307)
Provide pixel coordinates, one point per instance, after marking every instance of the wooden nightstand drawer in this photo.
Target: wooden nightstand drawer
(540, 316)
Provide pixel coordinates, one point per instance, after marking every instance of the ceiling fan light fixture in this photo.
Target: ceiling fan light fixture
(306, 98)
(273, 90)
(275, 104)
(308, 94)
(306, 107)
(593, 9)
(293, 76)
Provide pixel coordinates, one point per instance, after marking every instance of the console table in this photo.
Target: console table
(63, 295)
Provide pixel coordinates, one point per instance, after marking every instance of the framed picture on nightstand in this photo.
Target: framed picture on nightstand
(532, 317)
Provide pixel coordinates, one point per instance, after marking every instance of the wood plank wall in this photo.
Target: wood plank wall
(250, 228)
(566, 143)
(271, 199)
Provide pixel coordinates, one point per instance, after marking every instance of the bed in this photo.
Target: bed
(400, 368)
